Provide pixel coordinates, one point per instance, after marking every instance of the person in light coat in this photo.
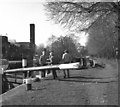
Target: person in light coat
(66, 58)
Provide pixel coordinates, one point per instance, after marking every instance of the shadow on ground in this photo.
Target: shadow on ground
(89, 79)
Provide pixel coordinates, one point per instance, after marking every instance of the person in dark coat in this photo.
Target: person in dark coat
(52, 62)
(43, 62)
(66, 58)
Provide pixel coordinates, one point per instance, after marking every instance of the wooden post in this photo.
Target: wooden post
(15, 77)
(28, 74)
(5, 84)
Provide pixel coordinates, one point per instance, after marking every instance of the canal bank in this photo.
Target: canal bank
(84, 87)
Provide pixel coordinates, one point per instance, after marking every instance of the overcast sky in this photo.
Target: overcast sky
(17, 15)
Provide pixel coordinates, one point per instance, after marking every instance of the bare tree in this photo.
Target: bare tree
(61, 43)
(39, 49)
(103, 38)
(86, 16)
(80, 15)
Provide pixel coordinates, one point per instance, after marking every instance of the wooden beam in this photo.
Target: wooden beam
(70, 66)
(12, 62)
(60, 66)
(32, 69)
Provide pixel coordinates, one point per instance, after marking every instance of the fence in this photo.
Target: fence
(28, 71)
(12, 73)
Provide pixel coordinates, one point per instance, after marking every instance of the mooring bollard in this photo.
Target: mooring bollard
(28, 83)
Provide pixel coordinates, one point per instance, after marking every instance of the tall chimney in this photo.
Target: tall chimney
(32, 36)
(32, 47)
(32, 44)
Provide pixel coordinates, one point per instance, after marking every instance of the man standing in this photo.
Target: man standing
(66, 58)
(43, 62)
(51, 62)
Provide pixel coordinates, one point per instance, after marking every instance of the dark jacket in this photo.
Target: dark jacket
(43, 60)
(66, 58)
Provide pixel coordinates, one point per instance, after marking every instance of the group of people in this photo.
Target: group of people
(50, 60)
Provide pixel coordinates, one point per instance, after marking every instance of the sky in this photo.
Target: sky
(17, 15)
